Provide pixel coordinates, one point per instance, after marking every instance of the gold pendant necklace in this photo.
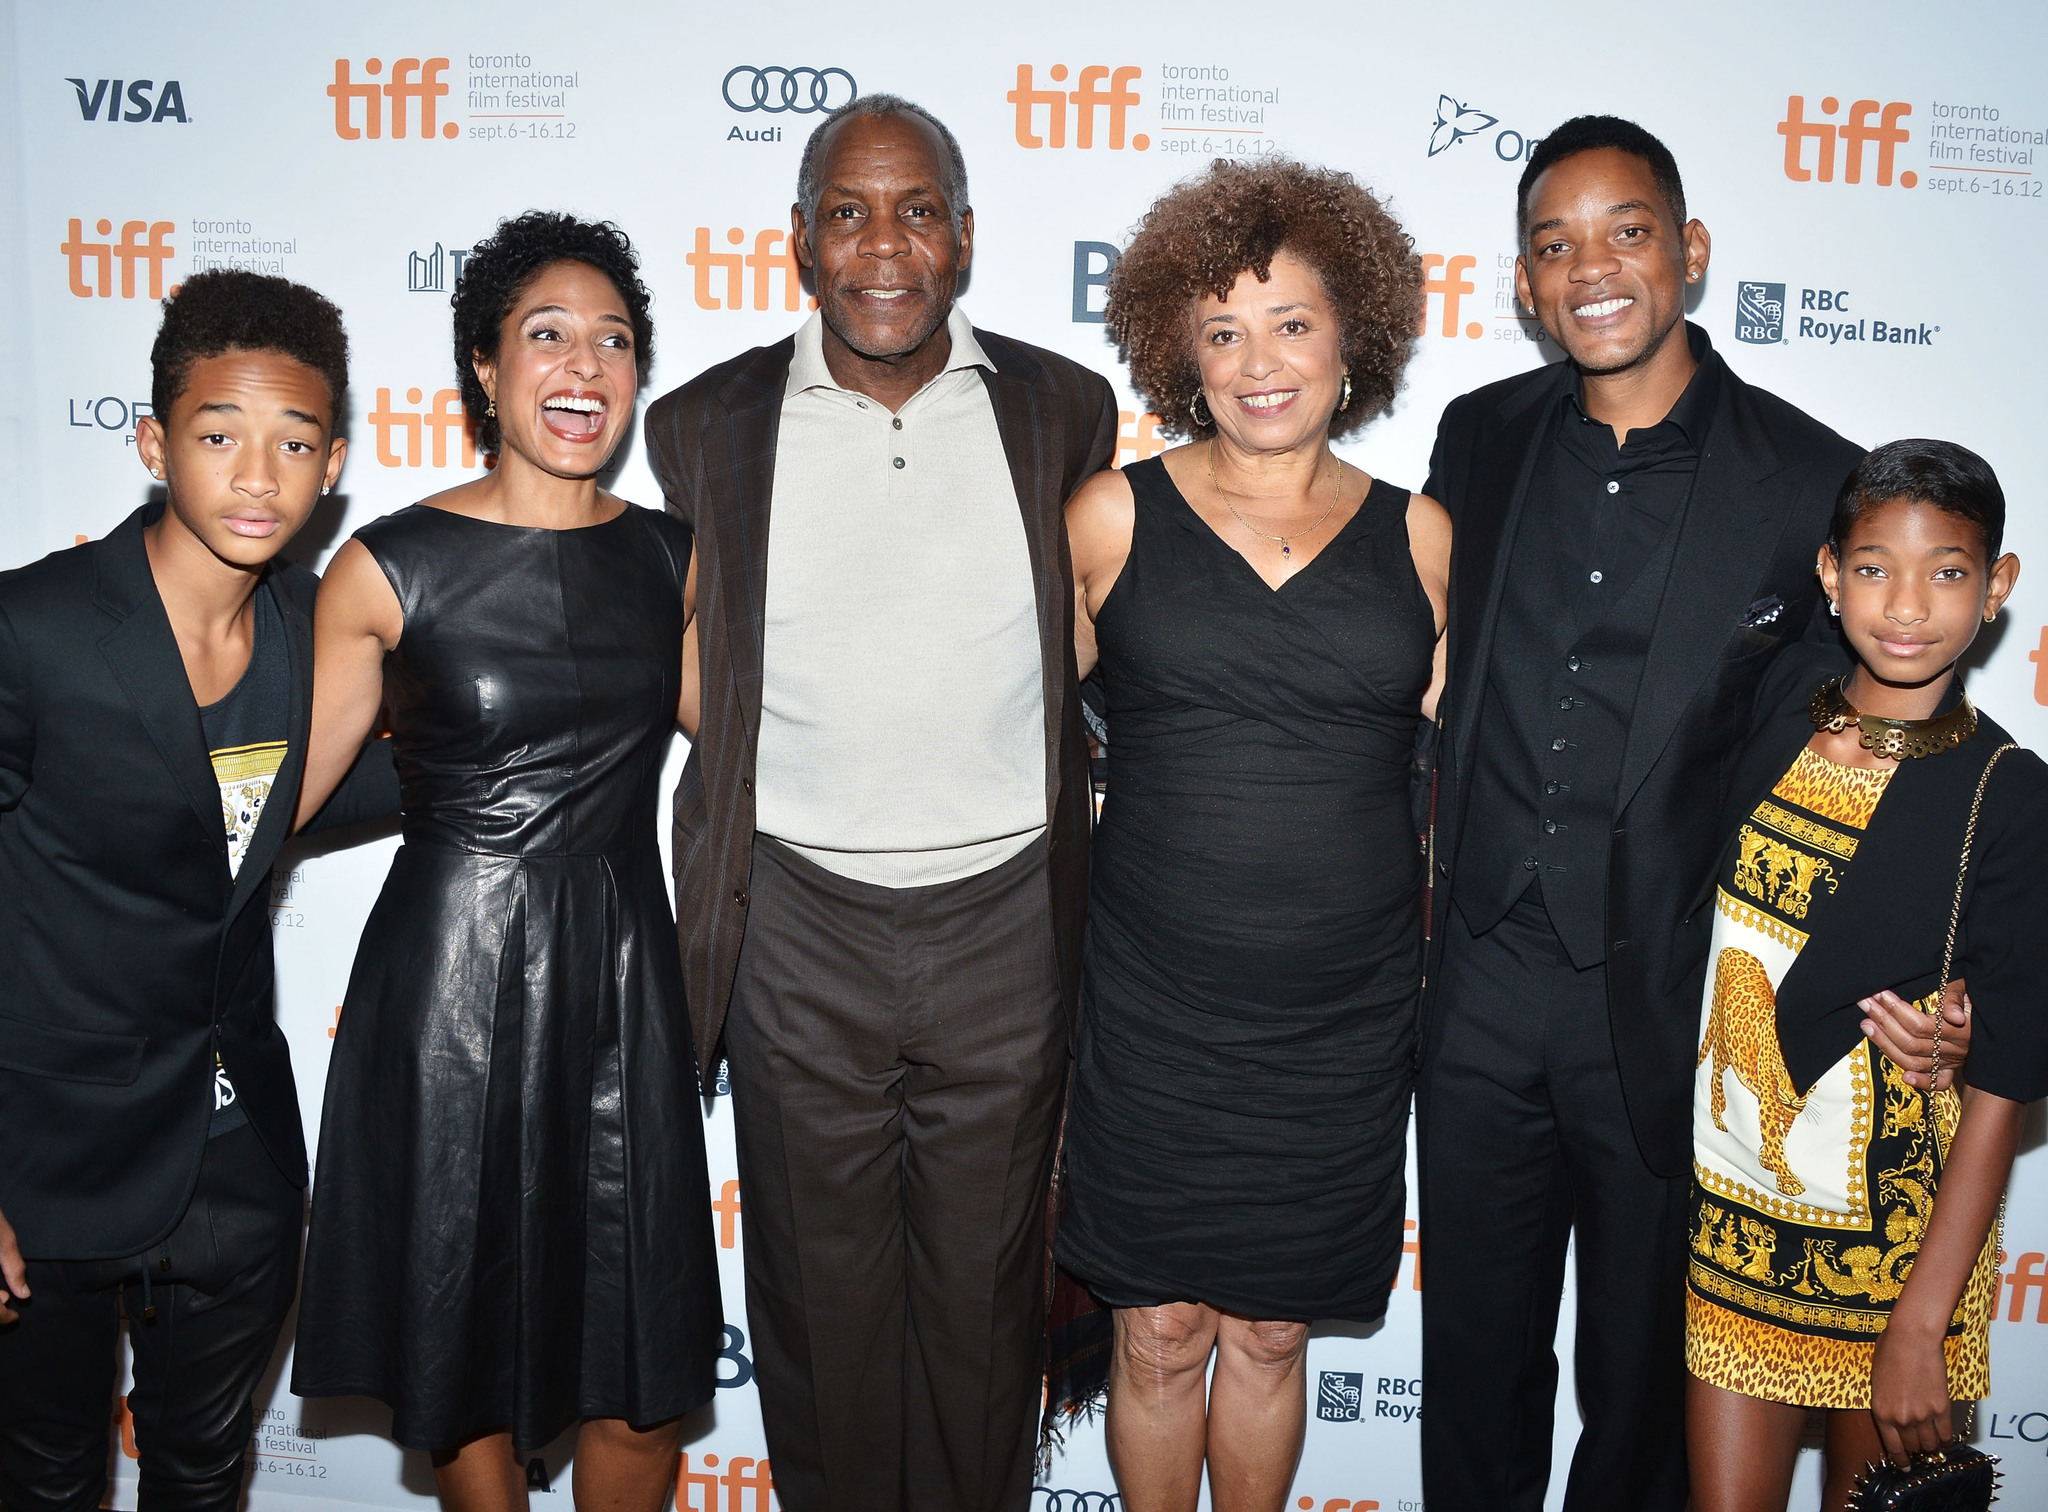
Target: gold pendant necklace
(1285, 542)
(1895, 739)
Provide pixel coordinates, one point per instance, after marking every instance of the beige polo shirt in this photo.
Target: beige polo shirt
(902, 733)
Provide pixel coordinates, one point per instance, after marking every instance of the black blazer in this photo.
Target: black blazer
(1889, 924)
(1742, 587)
(129, 953)
(712, 445)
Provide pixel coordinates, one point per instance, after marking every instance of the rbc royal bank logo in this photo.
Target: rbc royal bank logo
(1760, 313)
(1042, 114)
(414, 92)
(1340, 1396)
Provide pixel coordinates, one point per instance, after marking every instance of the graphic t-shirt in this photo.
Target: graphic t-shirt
(245, 739)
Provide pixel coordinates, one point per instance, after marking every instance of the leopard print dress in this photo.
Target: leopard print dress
(1809, 1205)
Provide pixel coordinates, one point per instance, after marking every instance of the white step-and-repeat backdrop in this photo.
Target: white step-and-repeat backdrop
(1875, 177)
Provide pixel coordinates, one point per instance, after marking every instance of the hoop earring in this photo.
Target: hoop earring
(1202, 419)
(1991, 618)
(1345, 403)
(1835, 608)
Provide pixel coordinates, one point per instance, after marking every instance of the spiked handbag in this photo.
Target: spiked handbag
(1956, 1477)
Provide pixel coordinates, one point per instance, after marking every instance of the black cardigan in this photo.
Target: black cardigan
(1888, 927)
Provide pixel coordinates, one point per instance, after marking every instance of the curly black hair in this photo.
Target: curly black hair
(228, 310)
(1201, 234)
(500, 268)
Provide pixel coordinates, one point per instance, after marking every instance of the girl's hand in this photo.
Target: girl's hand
(1909, 1391)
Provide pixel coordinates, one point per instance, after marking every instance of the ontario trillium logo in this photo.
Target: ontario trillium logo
(1455, 122)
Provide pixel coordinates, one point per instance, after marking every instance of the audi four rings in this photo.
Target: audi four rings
(793, 91)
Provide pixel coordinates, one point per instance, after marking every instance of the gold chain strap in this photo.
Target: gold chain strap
(1955, 913)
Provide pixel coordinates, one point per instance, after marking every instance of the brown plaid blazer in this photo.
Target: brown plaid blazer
(711, 444)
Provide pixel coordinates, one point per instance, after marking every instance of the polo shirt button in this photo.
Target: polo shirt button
(1550, 826)
(1528, 863)
(1564, 703)
(1594, 577)
(899, 461)
(1550, 787)
(1612, 486)
(1572, 664)
(897, 421)
(1559, 743)
(739, 896)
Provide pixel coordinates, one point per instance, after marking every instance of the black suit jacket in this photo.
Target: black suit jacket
(712, 445)
(130, 954)
(1888, 926)
(1742, 586)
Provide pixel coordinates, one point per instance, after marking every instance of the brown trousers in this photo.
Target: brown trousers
(896, 1058)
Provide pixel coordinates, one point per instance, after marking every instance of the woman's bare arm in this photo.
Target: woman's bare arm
(356, 620)
(689, 707)
(1100, 518)
(1429, 539)
(1909, 1376)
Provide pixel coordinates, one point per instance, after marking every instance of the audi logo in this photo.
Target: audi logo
(1074, 1501)
(791, 91)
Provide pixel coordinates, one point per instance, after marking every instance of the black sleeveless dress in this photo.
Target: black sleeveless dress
(511, 1224)
(1240, 1098)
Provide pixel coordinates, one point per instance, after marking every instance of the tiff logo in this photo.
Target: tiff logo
(2039, 657)
(1858, 132)
(697, 1490)
(169, 106)
(1088, 98)
(442, 418)
(151, 249)
(1137, 437)
(427, 89)
(1444, 278)
(773, 253)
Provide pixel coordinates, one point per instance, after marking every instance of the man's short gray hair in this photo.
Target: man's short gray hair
(953, 181)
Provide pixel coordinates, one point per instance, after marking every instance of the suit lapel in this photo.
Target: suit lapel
(739, 484)
(1035, 474)
(142, 653)
(278, 809)
(1483, 547)
(1727, 536)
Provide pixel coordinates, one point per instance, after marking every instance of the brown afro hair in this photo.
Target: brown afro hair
(1199, 236)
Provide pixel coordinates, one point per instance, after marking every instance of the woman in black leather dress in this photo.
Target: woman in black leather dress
(1267, 620)
(511, 1227)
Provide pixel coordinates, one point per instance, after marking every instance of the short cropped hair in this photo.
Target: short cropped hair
(1234, 219)
(228, 310)
(499, 270)
(953, 185)
(1591, 133)
(1952, 478)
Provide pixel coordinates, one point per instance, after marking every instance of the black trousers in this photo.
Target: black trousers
(1524, 1142)
(896, 1057)
(202, 1340)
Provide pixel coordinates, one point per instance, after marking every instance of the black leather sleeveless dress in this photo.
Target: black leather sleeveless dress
(1240, 1098)
(511, 1223)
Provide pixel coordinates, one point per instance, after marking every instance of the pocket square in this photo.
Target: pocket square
(1764, 611)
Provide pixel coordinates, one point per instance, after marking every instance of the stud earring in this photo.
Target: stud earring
(326, 489)
(1201, 417)
(1345, 403)
(1694, 277)
(1835, 608)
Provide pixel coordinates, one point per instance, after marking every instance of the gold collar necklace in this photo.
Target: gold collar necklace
(1893, 738)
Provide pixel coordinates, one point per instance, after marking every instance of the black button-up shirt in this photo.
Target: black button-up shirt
(1576, 618)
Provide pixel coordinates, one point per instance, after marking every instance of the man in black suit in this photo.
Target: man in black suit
(155, 691)
(1636, 530)
(886, 936)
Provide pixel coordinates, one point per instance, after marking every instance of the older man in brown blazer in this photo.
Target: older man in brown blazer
(881, 833)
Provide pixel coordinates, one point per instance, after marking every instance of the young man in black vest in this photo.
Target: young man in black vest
(155, 690)
(1636, 530)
